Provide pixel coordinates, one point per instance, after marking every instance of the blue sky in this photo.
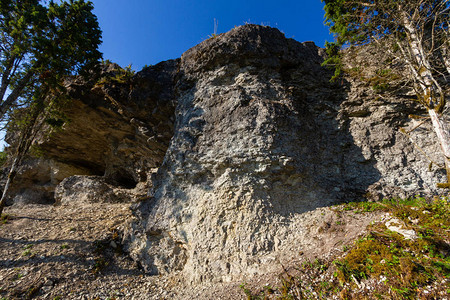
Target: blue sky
(145, 32)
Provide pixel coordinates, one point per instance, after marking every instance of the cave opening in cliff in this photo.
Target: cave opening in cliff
(123, 179)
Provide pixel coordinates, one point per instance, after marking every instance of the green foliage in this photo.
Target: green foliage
(381, 259)
(385, 22)
(3, 158)
(42, 44)
(334, 59)
(408, 264)
(362, 207)
(119, 75)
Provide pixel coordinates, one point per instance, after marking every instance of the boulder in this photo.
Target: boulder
(93, 189)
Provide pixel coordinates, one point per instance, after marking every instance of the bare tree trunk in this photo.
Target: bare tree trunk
(25, 140)
(12, 98)
(429, 85)
(443, 136)
(446, 59)
(441, 132)
(11, 175)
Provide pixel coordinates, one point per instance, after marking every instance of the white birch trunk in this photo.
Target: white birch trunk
(427, 83)
(442, 133)
(446, 59)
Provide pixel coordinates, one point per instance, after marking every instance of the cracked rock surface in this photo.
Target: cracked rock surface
(261, 137)
(250, 141)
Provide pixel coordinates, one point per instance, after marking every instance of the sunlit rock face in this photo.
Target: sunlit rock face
(261, 137)
(249, 137)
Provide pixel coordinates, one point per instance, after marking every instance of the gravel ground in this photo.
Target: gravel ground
(74, 252)
(71, 252)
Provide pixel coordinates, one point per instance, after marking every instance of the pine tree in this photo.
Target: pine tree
(39, 46)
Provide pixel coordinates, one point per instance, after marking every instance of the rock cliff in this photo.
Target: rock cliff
(248, 135)
(261, 137)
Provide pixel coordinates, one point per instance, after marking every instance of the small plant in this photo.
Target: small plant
(246, 291)
(5, 218)
(121, 76)
(27, 250)
(99, 265)
(381, 87)
(3, 158)
(216, 25)
(64, 246)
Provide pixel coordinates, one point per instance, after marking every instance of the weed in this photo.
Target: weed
(383, 72)
(393, 265)
(247, 291)
(5, 218)
(64, 246)
(362, 207)
(380, 87)
(99, 265)
(27, 250)
(408, 264)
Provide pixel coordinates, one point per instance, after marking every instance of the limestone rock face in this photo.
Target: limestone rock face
(37, 179)
(117, 129)
(248, 135)
(261, 137)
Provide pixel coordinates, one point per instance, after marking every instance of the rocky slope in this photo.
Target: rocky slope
(248, 135)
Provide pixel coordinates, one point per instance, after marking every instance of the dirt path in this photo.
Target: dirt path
(70, 252)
